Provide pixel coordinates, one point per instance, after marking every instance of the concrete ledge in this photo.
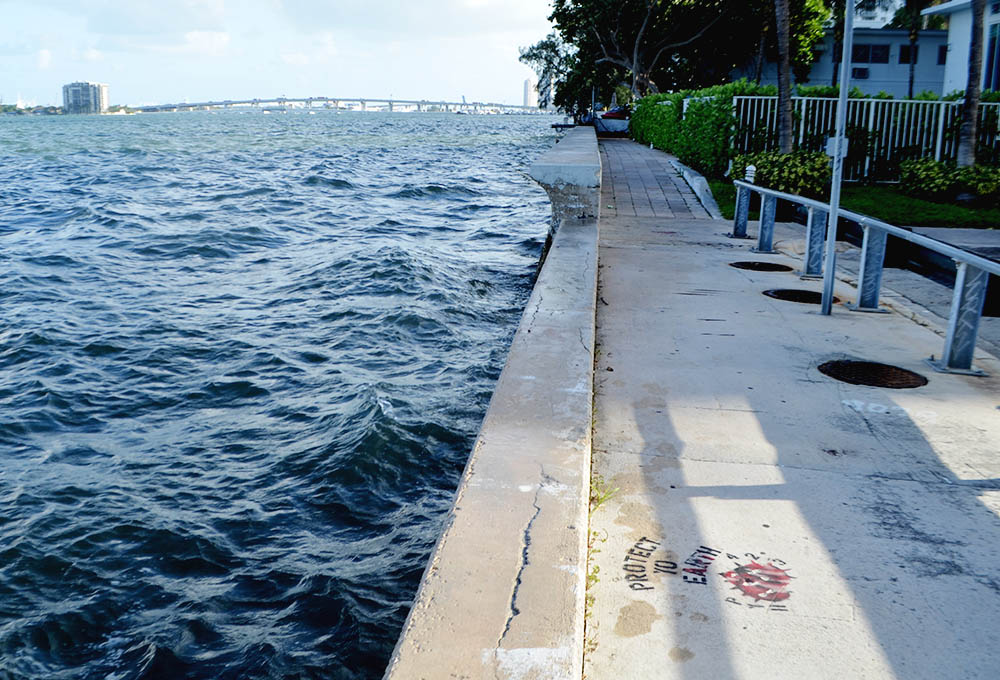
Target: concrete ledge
(699, 185)
(571, 174)
(503, 595)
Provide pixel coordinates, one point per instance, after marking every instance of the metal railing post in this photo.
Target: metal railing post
(963, 323)
(870, 273)
(815, 235)
(765, 234)
(940, 130)
(743, 205)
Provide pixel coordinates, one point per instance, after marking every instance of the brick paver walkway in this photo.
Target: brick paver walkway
(637, 181)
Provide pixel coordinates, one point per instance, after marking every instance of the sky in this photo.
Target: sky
(162, 51)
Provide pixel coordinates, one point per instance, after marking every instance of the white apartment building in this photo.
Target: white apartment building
(959, 14)
(84, 97)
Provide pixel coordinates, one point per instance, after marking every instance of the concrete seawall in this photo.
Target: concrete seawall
(503, 594)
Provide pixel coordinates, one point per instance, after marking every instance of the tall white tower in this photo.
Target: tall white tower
(530, 94)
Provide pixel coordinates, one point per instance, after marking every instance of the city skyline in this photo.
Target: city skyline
(191, 50)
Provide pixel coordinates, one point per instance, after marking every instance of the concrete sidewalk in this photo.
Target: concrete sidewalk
(907, 292)
(760, 519)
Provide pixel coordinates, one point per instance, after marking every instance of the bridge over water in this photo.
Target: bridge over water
(344, 103)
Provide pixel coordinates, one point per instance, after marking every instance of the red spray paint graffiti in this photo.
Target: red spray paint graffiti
(761, 582)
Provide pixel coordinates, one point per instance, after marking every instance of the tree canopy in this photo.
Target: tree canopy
(658, 45)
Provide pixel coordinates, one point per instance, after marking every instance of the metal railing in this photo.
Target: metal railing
(971, 279)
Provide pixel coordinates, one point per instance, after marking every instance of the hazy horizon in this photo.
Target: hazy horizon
(198, 50)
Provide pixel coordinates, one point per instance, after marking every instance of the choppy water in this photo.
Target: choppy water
(243, 359)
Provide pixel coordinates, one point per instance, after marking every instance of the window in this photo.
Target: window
(859, 74)
(870, 54)
(942, 54)
(904, 54)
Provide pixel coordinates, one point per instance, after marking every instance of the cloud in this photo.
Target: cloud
(205, 43)
(15, 50)
(320, 48)
(405, 19)
(127, 17)
(44, 59)
(92, 54)
(296, 59)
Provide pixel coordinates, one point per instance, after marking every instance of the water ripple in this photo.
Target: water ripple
(243, 362)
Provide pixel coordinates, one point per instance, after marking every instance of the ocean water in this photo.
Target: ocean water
(243, 359)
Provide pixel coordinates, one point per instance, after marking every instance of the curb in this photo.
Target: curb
(700, 187)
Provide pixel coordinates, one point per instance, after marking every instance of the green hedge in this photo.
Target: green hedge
(803, 173)
(940, 181)
(701, 138)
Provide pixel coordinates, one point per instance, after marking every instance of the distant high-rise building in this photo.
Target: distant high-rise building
(530, 93)
(876, 14)
(85, 98)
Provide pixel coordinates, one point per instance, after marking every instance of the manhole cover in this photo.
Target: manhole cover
(872, 374)
(808, 297)
(761, 266)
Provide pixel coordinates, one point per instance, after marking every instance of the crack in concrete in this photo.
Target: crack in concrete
(525, 546)
(538, 307)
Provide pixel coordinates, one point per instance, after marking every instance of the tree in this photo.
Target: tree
(654, 45)
(781, 19)
(970, 109)
(637, 36)
(551, 60)
(807, 26)
(909, 17)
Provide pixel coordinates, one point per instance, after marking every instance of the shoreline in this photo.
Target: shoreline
(517, 532)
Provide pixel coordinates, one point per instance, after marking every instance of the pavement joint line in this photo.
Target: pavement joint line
(984, 484)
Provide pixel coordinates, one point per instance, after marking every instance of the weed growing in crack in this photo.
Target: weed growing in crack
(593, 578)
(600, 493)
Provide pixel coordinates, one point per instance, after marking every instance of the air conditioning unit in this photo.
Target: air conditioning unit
(859, 74)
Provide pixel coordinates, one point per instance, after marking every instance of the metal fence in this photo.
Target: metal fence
(881, 132)
(973, 271)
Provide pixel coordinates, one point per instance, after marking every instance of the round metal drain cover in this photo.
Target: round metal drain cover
(756, 266)
(872, 374)
(808, 297)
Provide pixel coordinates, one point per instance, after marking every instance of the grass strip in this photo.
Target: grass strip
(884, 202)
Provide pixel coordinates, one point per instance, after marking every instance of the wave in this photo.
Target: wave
(333, 183)
(237, 396)
(434, 191)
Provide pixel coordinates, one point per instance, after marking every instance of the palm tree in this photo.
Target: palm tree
(970, 109)
(781, 15)
(909, 17)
